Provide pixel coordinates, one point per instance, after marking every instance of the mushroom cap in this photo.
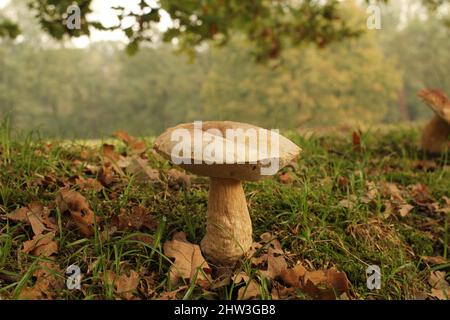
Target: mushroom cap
(438, 102)
(246, 161)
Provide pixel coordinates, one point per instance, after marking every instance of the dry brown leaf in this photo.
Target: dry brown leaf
(48, 283)
(136, 219)
(19, 215)
(88, 184)
(142, 172)
(405, 209)
(106, 175)
(275, 264)
(136, 146)
(36, 223)
(188, 263)
(293, 276)
(177, 179)
(41, 245)
(240, 277)
(78, 207)
(280, 292)
(356, 141)
(440, 289)
(286, 178)
(372, 192)
(124, 285)
(392, 191)
(124, 136)
(172, 295)
(345, 203)
(425, 165)
(420, 193)
(117, 161)
(251, 290)
(435, 260)
(325, 284)
(36, 215)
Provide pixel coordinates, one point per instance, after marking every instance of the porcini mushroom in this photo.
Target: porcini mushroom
(436, 133)
(227, 152)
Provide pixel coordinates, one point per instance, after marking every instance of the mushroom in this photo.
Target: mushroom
(227, 152)
(436, 133)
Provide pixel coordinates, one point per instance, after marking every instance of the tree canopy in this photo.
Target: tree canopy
(270, 26)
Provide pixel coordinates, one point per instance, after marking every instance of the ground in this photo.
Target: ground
(348, 203)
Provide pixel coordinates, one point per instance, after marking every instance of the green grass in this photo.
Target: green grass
(306, 216)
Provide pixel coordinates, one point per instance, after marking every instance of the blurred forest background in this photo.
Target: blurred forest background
(72, 92)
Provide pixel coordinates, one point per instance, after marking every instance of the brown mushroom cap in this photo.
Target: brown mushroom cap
(248, 168)
(438, 102)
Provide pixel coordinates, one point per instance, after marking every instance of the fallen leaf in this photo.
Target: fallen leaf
(405, 209)
(435, 260)
(36, 215)
(136, 146)
(124, 285)
(106, 175)
(41, 245)
(241, 277)
(356, 141)
(286, 178)
(251, 290)
(293, 276)
(275, 264)
(420, 194)
(78, 207)
(142, 172)
(19, 215)
(136, 219)
(88, 184)
(117, 161)
(48, 285)
(177, 179)
(440, 289)
(188, 263)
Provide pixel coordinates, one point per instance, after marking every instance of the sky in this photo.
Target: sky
(102, 12)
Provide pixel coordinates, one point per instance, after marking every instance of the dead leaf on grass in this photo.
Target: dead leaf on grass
(124, 285)
(36, 215)
(48, 285)
(286, 178)
(189, 262)
(440, 289)
(251, 290)
(142, 172)
(41, 245)
(135, 220)
(405, 209)
(135, 146)
(79, 209)
(177, 179)
(88, 184)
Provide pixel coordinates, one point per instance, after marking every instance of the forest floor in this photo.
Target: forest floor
(129, 222)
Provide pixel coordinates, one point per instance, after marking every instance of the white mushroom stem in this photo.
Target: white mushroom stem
(435, 135)
(228, 226)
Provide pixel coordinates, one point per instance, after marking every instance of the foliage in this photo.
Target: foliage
(270, 26)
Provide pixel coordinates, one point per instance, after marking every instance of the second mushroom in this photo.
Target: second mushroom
(435, 137)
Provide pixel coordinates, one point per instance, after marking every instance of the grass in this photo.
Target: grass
(306, 216)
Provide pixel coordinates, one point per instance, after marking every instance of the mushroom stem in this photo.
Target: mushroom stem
(228, 226)
(435, 135)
